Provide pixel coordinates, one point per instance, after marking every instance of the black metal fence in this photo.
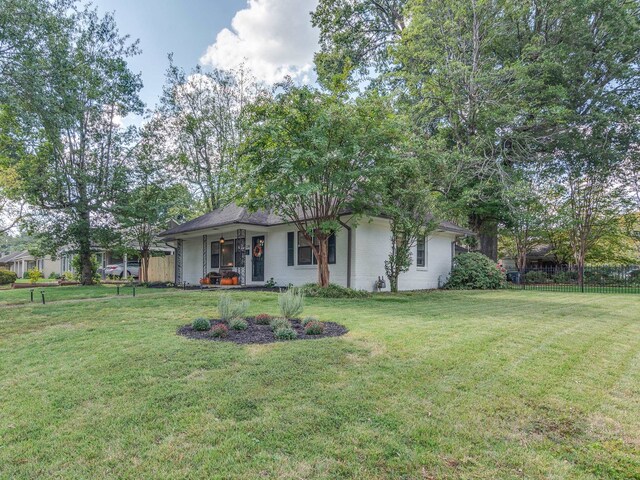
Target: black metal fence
(597, 278)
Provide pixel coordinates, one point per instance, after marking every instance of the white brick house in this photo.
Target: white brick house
(228, 239)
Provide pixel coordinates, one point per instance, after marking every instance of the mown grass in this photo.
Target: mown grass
(431, 385)
(22, 296)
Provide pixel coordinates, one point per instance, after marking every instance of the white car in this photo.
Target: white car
(117, 270)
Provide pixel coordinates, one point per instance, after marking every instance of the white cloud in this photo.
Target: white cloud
(274, 38)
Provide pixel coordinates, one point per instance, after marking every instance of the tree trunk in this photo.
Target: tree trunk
(521, 260)
(144, 253)
(84, 249)
(580, 261)
(393, 283)
(487, 231)
(322, 256)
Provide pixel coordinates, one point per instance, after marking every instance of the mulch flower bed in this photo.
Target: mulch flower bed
(261, 333)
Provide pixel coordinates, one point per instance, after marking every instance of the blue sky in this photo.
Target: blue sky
(274, 38)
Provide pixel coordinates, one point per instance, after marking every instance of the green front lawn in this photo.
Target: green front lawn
(504, 384)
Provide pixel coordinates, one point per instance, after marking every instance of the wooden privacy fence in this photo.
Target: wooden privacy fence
(161, 269)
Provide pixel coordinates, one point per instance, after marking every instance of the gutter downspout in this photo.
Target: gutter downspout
(349, 248)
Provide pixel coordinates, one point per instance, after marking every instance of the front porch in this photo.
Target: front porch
(221, 258)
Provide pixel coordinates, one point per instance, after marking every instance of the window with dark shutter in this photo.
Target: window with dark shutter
(305, 252)
(421, 253)
(215, 254)
(290, 249)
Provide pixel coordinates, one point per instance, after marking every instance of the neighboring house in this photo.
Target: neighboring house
(540, 257)
(106, 257)
(261, 245)
(6, 261)
(22, 262)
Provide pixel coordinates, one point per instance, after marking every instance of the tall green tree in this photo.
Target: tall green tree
(313, 157)
(494, 85)
(522, 228)
(70, 91)
(201, 114)
(410, 207)
(153, 198)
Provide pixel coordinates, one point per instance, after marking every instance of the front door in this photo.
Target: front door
(257, 259)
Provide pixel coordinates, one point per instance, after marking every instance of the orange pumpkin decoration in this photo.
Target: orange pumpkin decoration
(226, 281)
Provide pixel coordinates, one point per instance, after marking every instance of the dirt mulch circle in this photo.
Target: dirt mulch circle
(261, 333)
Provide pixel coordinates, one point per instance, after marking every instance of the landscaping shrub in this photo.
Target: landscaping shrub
(238, 323)
(7, 277)
(228, 308)
(285, 333)
(474, 270)
(291, 302)
(34, 275)
(201, 324)
(219, 330)
(263, 319)
(332, 291)
(314, 328)
(306, 320)
(69, 276)
(536, 277)
(54, 276)
(565, 277)
(278, 323)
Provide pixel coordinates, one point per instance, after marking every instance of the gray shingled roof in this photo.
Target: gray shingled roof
(12, 256)
(233, 214)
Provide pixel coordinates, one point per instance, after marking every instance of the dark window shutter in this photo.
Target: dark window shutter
(332, 249)
(290, 248)
(215, 254)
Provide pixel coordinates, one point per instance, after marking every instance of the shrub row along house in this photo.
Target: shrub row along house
(262, 247)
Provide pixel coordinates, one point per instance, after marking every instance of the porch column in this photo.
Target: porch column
(204, 256)
(179, 253)
(124, 273)
(241, 236)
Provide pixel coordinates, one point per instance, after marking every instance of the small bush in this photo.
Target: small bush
(475, 271)
(7, 277)
(285, 333)
(314, 328)
(263, 319)
(307, 320)
(54, 276)
(238, 323)
(228, 308)
(201, 324)
(69, 276)
(277, 323)
(291, 302)
(332, 291)
(220, 330)
(535, 276)
(565, 277)
(34, 275)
